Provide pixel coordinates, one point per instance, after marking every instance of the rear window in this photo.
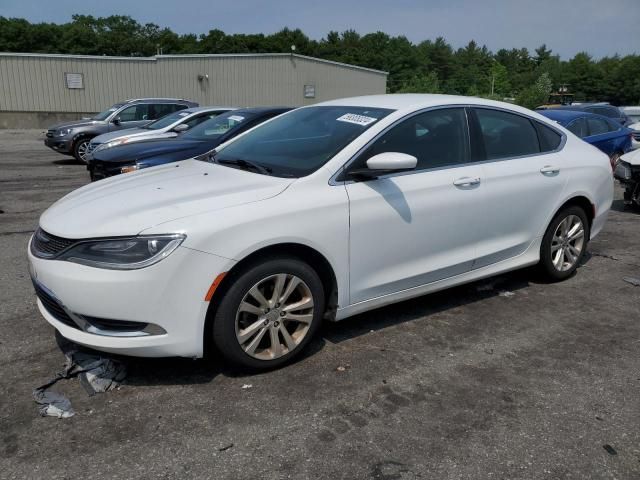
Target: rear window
(597, 126)
(507, 134)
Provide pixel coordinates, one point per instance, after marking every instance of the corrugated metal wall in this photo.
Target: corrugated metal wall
(35, 83)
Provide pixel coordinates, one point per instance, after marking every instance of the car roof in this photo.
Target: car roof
(158, 99)
(205, 109)
(565, 116)
(407, 102)
(262, 110)
(583, 106)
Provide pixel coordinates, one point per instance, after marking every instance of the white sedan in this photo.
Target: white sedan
(324, 212)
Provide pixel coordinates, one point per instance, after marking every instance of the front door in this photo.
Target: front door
(416, 227)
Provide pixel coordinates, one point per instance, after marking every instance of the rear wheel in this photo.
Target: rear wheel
(564, 243)
(80, 149)
(269, 313)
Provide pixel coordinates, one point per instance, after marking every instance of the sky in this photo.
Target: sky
(599, 27)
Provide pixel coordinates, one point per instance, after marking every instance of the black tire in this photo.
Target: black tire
(224, 321)
(78, 146)
(546, 265)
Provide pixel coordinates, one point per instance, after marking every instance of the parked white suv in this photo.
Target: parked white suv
(323, 212)
(634, 114)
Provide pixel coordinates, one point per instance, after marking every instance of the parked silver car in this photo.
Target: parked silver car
(166, 127)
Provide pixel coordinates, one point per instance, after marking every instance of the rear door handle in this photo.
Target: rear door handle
(466, 182)
(549, 170)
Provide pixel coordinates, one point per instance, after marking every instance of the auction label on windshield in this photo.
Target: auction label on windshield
(357, 119)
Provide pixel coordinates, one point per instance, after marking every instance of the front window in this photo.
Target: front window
(300, 142)
(104, 115)
(218, 126)
(167, 120)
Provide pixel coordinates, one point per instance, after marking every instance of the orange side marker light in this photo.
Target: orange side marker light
(214, 286)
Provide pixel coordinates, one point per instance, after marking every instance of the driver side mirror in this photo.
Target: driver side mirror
(117, 121)
(181, 128)
(384, 163)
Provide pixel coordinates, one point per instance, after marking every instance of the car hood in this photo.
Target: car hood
(106, 137)
(632, 158)
(76, 124)
(128, 204)
(152, 148)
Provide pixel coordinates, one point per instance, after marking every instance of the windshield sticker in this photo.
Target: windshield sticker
(183, 114)
(236, 118)
(357, 119)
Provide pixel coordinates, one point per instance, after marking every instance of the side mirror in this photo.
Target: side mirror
(117, 121)
(181, 128)
(384, 163)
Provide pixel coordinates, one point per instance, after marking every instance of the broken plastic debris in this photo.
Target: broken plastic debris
(226, 447)
(506, 293)
(343, 368)
(246, 386)
(97, 374)
(635, 281)
(53, 404)
(610, 450)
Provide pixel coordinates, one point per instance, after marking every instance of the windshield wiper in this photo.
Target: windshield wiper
(245, 165)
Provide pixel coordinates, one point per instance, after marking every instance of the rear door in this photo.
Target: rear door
(523, 180)
(413, 228)
(600, 135)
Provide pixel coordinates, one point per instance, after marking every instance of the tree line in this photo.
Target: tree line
(431, 66)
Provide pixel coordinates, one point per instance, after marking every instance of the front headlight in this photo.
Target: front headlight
(622, 170)
(63, 132)
(112, 143)
(123, 253)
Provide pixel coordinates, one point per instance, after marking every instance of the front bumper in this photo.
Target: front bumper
(169, 295)
(99, 169)
(59, 144)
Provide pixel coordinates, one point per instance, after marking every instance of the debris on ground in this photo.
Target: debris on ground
(610, 450)
(53, 404)
(635, 281)
(246, 386)
(506, 293)
(343, 368)
(97, 374)
(226, 447)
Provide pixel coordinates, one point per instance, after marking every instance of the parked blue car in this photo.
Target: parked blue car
(602, 132)
(196, 141)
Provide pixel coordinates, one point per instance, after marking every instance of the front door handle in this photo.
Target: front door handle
(549, 170)
(466, 182)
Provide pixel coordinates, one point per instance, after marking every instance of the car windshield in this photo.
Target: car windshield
(104, 115)
(300, 142)
(167, 120)
(218, 126)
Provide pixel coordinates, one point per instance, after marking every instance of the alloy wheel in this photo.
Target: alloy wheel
(82, 150)
(567, 243)
(274, 316)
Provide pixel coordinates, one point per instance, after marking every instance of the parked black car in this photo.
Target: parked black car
(197, 141)
(604, 109)
(72, 138)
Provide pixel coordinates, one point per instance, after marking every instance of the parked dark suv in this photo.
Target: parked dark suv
(72, 138)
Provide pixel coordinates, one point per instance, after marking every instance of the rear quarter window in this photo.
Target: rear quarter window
(549, 138)
(507, 134)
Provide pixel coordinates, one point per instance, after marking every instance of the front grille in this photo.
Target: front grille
(52, 306)
(50, 133)
(45, 245)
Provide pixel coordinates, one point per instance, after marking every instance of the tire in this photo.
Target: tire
(80, 149)
(559, 255)
(245, 327)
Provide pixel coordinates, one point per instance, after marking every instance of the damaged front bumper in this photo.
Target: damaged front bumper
(629, 177)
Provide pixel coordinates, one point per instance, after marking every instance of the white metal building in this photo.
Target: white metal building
(40, 89)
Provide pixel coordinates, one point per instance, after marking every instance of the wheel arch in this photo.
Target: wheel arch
(302, 252)
(581, 201)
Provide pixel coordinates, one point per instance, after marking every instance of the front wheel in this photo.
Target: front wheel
(269, 313)
(80, 149)
(564, 243)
